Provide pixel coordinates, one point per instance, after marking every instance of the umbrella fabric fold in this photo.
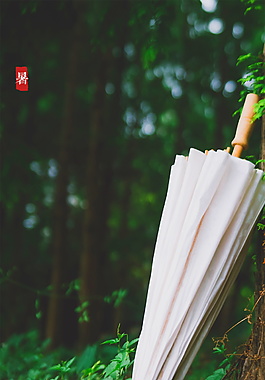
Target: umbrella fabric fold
(211, 206)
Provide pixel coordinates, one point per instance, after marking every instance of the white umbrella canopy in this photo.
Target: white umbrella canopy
(211, 207)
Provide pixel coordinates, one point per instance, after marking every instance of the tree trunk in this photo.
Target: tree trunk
(251, 364)
(253, 367)
(121, 275)
(55, 305)
(95, 278)
(93, 236)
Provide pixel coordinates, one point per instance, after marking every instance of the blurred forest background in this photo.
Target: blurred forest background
(116, 90)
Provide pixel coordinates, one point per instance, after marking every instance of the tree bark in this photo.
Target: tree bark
(253, 367)
(95, 279)
(251, 364)
(55, 306)
(92, 234)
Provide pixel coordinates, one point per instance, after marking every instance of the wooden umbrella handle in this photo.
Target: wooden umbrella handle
(244, 126)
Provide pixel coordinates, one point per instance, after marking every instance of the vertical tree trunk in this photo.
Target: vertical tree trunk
(104, 129)
(92, 234)
(251, 364)
(121, 275)
(55, 305)
(253, 367)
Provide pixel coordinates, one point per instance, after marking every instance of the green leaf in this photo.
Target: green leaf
(133, 342)
(243, 58)
(98, 366)
(73, 286)
(111, 341)
(259, 161)
(219, 350)
(38, 315)
(56, 367)
(64, 366)
(120, 336)
(70, 362)
(217, 375)
(259, 109)
(149, 55)
(116, 297)
(112, 367)
(261, 226)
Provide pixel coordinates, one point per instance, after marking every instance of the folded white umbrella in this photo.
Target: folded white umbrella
(211, 207)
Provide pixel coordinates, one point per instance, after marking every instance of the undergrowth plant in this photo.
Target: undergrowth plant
(117, 369)
(23, 357)
(119, 366)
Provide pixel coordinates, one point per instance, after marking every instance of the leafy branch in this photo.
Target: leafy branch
(253, 81)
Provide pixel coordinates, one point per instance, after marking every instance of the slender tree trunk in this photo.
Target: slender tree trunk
(95, 278)
(10, 323)
(121, 275)
(251, 364)
(94, 232)
(253, 367)
(55, 305)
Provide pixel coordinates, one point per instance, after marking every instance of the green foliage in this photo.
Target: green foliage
(261, 226)
(217, 375)
(29, 7)
(63, 368)
(253, 5)
(72, 286)
(118, 367)
(260, 107)
(23, 357)
(120, 364)
(148, 56)
(224, 366)
(116, 297)
(253, 80)
(38, 312)
(93, 373)
(82, 310)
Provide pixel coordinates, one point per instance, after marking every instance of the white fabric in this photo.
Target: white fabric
(211, 206)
